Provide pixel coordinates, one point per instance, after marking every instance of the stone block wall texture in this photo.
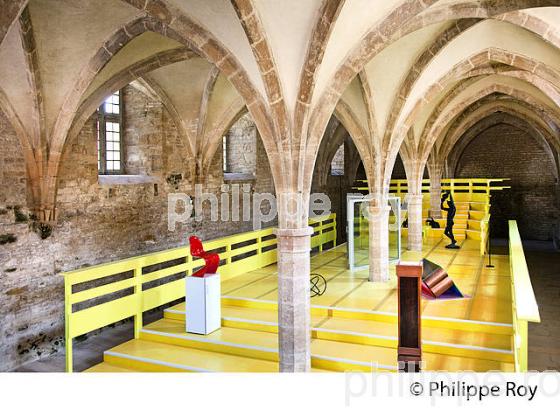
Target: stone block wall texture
(504, 151)
(96, 223)
(12, 167)
(241, 146)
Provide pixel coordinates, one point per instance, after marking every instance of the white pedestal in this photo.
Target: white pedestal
(203, 304)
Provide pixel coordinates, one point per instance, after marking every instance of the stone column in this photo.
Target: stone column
(294, 306)
(378, 214)
(415, 222)
(435, 190)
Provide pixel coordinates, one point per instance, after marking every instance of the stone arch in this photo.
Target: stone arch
(330, 10)
(484, 108)
(10, 12)
(422, 62)
(404, 20)
(183, 31)
(250, 21)
(121, 79)
(326, 153)
(435, 132)
(236, 110)
(468, 80)
(359, 136)
(458, 72)
(492, 119)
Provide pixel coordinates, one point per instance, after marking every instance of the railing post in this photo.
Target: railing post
(139, 301)
(188, 259)
(523, 345)
(67, 331)
(321, 236)
(259, 245)
(228, 251)
(335, 230)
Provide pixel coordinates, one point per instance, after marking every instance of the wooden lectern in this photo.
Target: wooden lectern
(409, 276)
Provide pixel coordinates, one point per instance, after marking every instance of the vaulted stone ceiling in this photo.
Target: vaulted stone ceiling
(410, 76)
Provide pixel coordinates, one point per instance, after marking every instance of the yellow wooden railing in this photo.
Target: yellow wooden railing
(469, 185)
(524, 304)
(473, 190)
(484, 233)
(100, 295)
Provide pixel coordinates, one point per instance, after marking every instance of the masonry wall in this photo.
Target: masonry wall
(241, 147)
(96, 222)
(12, 167)
(507, 152)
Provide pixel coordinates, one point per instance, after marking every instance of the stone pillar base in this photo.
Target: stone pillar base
(294, 306)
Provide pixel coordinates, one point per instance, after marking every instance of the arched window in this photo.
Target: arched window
(109, 135)
(337, 163)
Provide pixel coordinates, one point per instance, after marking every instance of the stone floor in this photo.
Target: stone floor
(544, 348)
(544, 337)
(89, 352)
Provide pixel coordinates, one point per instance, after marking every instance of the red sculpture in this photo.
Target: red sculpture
(211, 260)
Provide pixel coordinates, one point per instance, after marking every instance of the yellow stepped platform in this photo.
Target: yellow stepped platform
(343, 340)
(468, 221)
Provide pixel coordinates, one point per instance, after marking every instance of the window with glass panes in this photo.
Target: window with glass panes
(109, 135)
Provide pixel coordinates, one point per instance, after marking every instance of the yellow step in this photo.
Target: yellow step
(325, 354)
(459, 216)
(241, 343)
(107, 368)
(148, 356)
(332, 324)
(477, 215)
(438, 233)
(459, 224)
(474, 234)
(478, 205)
(474, 225)
(259, 308)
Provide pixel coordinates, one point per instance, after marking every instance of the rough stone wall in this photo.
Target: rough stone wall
(96, 223)
(241, 146)
(12, 167)
(507, 152)
(144, 135)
